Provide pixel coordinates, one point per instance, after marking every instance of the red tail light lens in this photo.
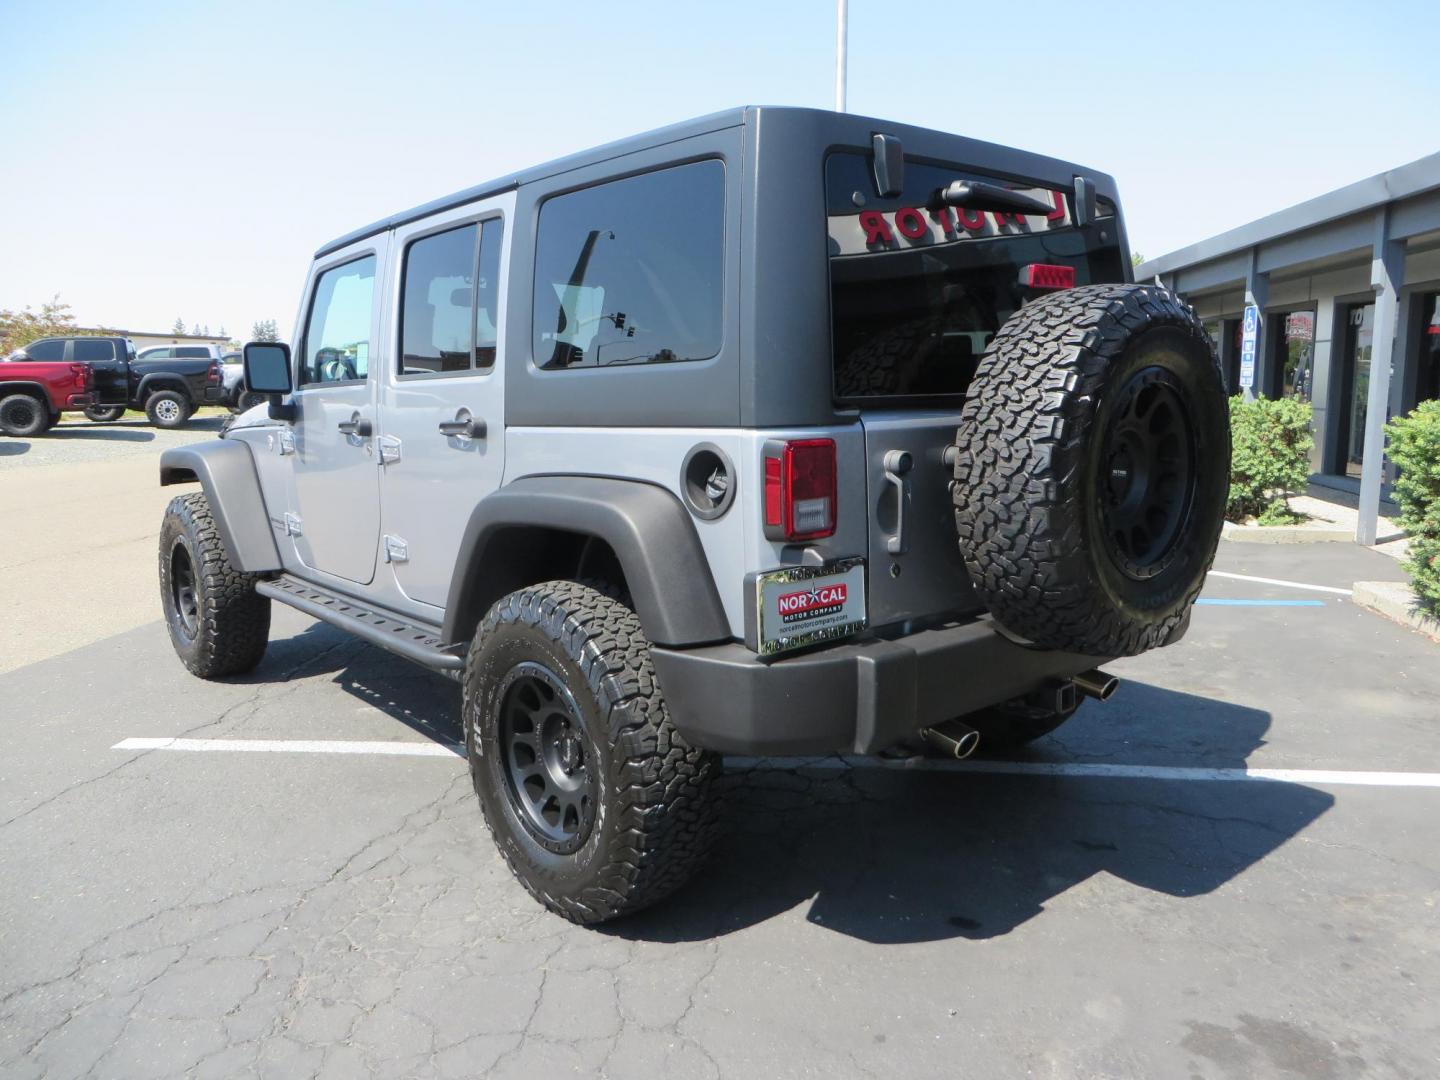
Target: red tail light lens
(1047, 276)
(800, 489)
(213, 375)
(84, 377)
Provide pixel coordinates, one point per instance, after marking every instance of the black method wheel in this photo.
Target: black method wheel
(551, 785)
(23, 414)
(167, 409)
(105, 414)
(219, 625)
(1092, 469)
(597, 803)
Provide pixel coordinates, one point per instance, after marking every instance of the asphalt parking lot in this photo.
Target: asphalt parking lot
(1120, 901)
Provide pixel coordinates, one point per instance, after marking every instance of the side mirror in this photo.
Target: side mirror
(267, 371)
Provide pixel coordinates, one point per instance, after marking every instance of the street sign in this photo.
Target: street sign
(1249, 336)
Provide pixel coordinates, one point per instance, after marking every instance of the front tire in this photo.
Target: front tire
(23, 415)
(219, 625)
(168, 409)
(596, 802)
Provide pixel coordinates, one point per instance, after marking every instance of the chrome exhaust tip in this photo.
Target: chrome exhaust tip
(953, 739)
(1097, 684)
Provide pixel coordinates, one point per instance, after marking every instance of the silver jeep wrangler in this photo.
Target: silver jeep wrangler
(775, 432)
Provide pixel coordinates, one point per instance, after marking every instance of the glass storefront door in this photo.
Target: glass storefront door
(1359, 340)
(1428, 384)
(1297, 355)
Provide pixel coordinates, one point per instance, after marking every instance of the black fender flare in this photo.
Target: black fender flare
(225, 469)
(646, 526)
(163, 380)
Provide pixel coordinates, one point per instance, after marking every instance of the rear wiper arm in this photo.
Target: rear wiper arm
(977, 195)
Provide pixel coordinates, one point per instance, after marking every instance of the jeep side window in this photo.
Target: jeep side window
(436, 296)
(45, 350)
(337, 333)
(632, 271)
(93, 351)
(487, 294)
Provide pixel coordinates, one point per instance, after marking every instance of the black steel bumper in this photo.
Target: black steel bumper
(859, 697)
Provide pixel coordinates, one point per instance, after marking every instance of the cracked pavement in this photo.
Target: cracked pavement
(219, 915)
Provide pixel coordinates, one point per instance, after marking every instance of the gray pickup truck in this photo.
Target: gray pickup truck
(775, 432)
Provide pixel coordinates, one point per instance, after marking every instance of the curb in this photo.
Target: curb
(1396, 600)
(1284, 534)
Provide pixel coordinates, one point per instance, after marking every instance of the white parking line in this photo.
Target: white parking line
(1323, 777)
(1283, 583)
(295, 746)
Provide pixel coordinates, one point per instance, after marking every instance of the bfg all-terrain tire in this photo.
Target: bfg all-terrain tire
(167, 409)
(104, 414)
(597, 803)
(218, 623)
(23, 415)
(1092, 469)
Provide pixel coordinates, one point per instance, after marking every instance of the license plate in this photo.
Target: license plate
(803, 605)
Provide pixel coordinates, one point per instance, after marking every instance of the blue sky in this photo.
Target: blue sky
(165, 160)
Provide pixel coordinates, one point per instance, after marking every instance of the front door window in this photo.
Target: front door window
(337, 334)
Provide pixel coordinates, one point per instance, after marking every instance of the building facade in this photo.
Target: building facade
(1347, 287)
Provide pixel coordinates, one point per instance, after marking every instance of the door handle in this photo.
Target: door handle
(897, 463)
(464, 426)
(357, 425)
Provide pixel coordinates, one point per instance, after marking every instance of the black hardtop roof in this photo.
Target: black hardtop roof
(1027, 162)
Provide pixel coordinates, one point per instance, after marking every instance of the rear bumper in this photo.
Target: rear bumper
(214, 395)
(80, 401)
(859, 697)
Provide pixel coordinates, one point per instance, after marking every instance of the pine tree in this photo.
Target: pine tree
(179, 327)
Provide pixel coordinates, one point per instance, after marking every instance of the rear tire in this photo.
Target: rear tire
(23, 415)
(168, 409)
(596, 802)
(105, 414)
(218, 623)
(1092, 469)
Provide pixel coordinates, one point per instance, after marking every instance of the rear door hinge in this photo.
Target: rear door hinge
(389, 449)
(396, 549)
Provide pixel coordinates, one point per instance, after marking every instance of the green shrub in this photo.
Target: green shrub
(1415, 447)
(1270, 457)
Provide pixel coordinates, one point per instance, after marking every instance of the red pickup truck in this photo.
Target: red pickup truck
(33, 394)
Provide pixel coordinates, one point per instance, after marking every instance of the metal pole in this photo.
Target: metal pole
(842, 19)
(1387, 275)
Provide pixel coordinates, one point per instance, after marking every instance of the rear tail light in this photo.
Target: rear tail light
(1047, 276)
(800, 489)
(213, 375)
(84, 377)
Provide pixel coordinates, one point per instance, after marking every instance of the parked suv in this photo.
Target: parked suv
(776, 432)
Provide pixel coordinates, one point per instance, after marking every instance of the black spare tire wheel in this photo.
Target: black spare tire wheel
(1092, 469)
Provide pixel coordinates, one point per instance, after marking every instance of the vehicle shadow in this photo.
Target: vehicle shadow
(100, 433)
(890, 855)
(11, 447)
(893, 853)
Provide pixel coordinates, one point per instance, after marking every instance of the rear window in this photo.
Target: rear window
(45, 350)
(917, 290)
(631, 271)
(92, 351)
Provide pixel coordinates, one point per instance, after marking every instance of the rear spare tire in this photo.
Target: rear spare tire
(1092, 469)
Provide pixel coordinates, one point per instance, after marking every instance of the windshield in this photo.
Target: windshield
(918, 289)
